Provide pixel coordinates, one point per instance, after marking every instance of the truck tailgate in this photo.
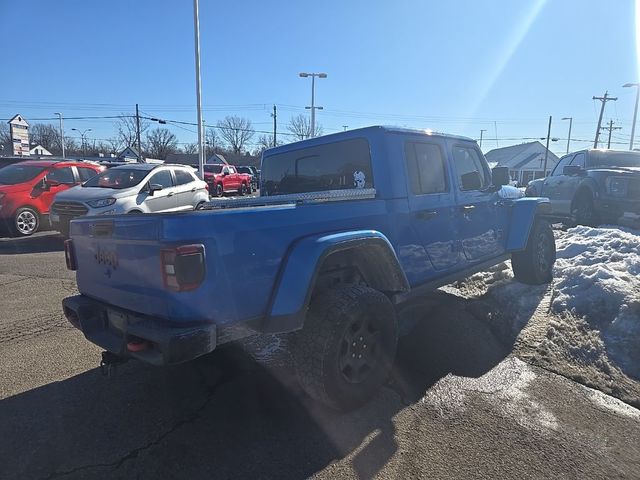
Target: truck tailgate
(118, 261)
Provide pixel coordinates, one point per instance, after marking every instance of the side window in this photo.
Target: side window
(163, 177)
(86, 173)
(225, 170)
(579, 159)
(561, 164)
(183, 177)
(62, 175)
(232, 170)
(471, 170)
(425, 164)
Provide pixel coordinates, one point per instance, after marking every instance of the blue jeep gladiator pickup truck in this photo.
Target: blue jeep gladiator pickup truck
(347, 227)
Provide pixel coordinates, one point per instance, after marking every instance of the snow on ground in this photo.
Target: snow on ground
(597, 277)
(588, 320)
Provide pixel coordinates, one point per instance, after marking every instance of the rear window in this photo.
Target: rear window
(183, 177)
(613, 159)
(14, 174)
(334, 166)
(213, 168)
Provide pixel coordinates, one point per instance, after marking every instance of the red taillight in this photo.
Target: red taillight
(70, 255)
(183, 267)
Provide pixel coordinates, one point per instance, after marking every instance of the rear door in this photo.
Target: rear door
(481, 216)
(432, 202)
(165, 199)
(185, 189)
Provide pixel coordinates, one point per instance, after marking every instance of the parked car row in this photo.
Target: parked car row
(36, 193)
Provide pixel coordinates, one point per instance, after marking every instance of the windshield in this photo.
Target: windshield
(117, 178)
(14, 174)
(614, 159)
(213, 168)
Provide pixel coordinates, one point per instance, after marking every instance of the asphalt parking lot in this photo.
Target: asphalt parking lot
(460, 404)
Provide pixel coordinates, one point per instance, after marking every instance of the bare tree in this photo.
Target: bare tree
(236, 131)
(190, 148)
(115, 144)
(127, 129)
(46, 135)
(5, 134)
(161, 142)
(300, 126)
(212, 142)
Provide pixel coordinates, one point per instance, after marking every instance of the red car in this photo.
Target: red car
(27, 190)
(223, 179)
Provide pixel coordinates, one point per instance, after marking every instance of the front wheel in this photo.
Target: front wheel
(346, 349)
(534, 265)
(219, 190)
(25, 222)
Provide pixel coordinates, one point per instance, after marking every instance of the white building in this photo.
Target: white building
(525, 161)
(39, 151)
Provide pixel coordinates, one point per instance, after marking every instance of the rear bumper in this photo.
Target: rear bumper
(113, 328)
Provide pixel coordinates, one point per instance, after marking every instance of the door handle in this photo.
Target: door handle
(170, 194)
(426, 214)
(468, 208)
(193, 189)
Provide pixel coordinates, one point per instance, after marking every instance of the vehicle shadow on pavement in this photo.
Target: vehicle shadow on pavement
(34, 244)
(227, 416)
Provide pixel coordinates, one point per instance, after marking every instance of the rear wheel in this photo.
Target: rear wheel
(25, 222)
(219, 190)
(534, 265)
(243, 190)
(346, 349)
(584, 210)
(200, 206)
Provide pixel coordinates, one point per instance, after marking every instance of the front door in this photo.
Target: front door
(165, 199)
(432, 203)
(481, 216)
(554, 186)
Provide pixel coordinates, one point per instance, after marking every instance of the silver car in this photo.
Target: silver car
(135, 188)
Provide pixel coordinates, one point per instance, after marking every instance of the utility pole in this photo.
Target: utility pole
(569, 137)
(635, 111)
(196, 28)
(611, 128)
(481, 134)
(138, 134)
(604, 101)
(62, 134)
(546, 152)
(495, 126)
(275, 125)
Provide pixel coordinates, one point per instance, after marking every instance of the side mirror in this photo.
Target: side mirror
(500, 176)
(51, 183)
(154, 187)
(572, 170)
(471, 181)
(225, 173)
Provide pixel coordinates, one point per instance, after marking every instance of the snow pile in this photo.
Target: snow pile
(597, 277)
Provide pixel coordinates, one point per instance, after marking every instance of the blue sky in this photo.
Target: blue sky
(454, 66)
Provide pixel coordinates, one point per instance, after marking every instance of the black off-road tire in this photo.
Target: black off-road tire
(347, 347)
(26, 221)
(219, 191)
(534, 265)
(584, 211)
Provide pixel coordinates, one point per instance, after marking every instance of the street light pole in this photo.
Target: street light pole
(61, 134)
(569, 137)
(481, 133)
(196, 28)
(313, 95)
(82, 139)
(635, 111)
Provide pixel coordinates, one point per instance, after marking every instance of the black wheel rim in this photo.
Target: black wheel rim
(544, 252)
(360, 349)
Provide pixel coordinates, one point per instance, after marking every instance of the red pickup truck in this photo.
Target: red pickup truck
(226, 179)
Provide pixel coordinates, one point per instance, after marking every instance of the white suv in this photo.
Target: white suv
(135, 188)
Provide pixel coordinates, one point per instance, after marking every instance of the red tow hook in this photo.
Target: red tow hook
(137, 345)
